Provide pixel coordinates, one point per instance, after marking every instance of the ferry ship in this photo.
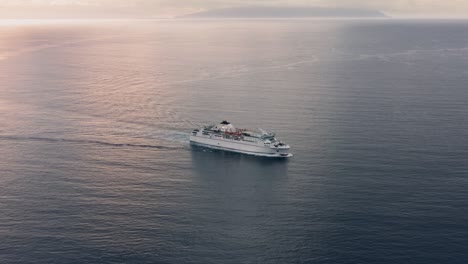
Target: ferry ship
(225, 136)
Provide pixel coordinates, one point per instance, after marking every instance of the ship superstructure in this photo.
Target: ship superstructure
(225, 136)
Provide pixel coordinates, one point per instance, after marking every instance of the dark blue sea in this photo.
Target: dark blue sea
(96, 167)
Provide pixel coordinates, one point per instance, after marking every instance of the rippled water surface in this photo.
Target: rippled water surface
(95, 165)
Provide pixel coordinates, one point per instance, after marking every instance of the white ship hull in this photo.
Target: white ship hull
(254, 148)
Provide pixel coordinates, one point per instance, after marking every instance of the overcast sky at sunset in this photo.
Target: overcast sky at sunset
(167, 8)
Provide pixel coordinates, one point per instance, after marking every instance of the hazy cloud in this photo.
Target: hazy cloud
(138, 8)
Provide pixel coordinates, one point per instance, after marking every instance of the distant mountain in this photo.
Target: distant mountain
(285, 12)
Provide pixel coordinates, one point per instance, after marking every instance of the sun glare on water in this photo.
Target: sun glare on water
(19, 22)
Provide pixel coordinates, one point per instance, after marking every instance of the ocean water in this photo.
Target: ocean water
(95, 164)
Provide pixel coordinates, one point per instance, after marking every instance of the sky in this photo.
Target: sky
(34, 9)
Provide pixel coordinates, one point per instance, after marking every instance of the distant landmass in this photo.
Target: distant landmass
(284, 12)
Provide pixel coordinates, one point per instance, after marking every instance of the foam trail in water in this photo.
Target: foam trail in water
(243, 72)
(83, 141)
(412, 52)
